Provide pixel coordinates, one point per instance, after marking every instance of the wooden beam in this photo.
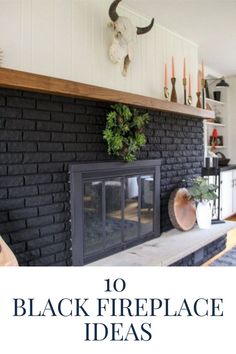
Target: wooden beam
(39, 83)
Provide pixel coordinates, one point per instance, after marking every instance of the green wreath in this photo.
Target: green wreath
(124, 132)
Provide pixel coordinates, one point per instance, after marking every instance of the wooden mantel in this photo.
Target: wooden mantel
(39, 83)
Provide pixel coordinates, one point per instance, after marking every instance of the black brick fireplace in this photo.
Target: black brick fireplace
(41, 135)
(114, 206)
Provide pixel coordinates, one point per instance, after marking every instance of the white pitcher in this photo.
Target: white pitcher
(204, 214)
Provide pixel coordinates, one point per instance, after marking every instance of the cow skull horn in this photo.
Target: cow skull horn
(124, 37)
(112, 11)
(143, 30)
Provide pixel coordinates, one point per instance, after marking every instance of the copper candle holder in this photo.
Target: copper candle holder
(199, 105)
(185, 90)
(173, 97)
(166, 93)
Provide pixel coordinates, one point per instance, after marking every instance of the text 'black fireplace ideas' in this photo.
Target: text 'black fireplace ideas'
(114, 206)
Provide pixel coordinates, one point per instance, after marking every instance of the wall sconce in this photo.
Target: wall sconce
(221, 84)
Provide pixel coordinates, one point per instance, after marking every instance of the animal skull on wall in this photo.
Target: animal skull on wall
(124, 37)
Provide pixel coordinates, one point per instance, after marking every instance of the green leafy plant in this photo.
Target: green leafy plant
(124, 132)
(201, 190)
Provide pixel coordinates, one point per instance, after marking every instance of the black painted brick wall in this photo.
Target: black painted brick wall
(40, 135)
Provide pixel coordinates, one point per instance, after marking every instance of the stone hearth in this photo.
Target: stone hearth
(174, 248)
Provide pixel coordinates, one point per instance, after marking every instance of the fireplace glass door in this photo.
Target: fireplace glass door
(116, 211)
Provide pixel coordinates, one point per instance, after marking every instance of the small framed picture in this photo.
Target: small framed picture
(219, 141)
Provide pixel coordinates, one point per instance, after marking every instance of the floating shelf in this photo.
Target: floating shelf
(217, 147)
(38, 83)
(215, 124)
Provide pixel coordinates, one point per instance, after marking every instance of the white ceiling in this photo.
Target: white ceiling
(209, 23)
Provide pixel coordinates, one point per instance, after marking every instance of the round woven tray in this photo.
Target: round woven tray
(182, 211)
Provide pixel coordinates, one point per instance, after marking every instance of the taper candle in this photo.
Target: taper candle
(198, 81)
(189, 86)
(166, 80)
(184, 70)
(203, 71)
(173, 67)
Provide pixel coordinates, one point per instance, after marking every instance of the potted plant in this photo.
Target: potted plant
(203, 193)
(124, 132)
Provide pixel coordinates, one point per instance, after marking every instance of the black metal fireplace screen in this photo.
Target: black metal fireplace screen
(113, 206)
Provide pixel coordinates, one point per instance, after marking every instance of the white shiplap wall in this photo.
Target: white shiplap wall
(70, 38)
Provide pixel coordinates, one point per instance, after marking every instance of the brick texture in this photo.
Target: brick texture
(40, 135)
(203, 254)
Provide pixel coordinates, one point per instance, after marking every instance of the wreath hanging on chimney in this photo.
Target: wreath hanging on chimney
(124, 132)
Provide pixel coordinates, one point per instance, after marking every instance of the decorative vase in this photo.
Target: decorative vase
(204, 214)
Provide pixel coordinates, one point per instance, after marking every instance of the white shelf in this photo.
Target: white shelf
(220, 108)
(215, 124)
(214, 102)
(217, 147)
